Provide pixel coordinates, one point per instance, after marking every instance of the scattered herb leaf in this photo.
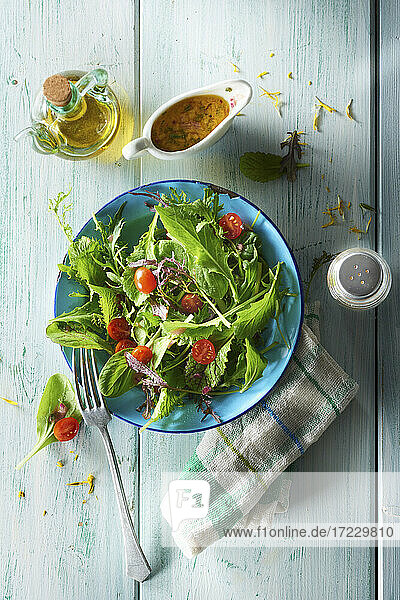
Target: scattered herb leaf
(318, 262)
(261, 166)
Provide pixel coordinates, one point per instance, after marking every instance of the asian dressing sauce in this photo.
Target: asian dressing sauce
(188, 122)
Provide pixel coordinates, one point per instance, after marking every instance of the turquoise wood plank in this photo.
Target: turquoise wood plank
(52, 556)
(388, 323)
(184, 46)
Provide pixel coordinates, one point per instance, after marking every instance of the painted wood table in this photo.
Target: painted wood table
(154, 49)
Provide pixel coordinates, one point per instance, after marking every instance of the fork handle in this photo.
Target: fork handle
(137, 566)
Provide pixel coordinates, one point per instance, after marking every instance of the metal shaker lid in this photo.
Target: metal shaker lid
(360, 274)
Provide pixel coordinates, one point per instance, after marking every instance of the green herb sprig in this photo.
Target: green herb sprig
(318, 262)
(263, 167)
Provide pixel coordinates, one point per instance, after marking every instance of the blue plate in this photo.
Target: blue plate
(274, 249)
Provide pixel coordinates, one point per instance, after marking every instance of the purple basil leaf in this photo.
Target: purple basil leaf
(160, 310)
(153, 378)
(151, 207)
(142, 262)
(164, 271)
(205, 406)
(59, 413)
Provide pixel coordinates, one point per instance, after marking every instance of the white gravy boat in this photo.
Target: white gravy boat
(237, 92)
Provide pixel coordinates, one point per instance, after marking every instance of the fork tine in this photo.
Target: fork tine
(92, 384)
(85, 383)
(95, 375)
(76, 380)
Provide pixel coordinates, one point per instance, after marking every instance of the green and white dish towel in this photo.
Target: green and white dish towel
(242, 459)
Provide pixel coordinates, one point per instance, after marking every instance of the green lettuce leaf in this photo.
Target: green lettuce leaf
(167, 401)
(87, 316)
(203, 247)
(59, 334)
(209, 282)
(255, 366)
(254, 317)
(214, 372)
(83, 254)
(107, 301)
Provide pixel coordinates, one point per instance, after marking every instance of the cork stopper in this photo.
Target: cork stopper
(57, 90)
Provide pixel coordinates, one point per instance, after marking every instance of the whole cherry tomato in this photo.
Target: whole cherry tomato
(142, 354)
(145, 281)
(231, 223)
(203, 352)
(119, 329)
(191, 303)
(125, 344)
(66, 429)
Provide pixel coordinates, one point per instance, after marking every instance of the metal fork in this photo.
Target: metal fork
(95, 412)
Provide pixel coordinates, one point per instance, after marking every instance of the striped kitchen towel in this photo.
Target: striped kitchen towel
(242, 459)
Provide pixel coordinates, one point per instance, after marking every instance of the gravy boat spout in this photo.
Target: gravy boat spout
(236, 93)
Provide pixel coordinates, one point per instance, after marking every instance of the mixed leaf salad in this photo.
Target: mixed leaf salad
(182, 314)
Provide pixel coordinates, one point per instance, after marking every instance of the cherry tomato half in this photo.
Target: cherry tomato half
(145, 281)
(231, 223)
(142, 354)
(66, 429)
(191, 303)
(119, 329)
(203, 352)
(125, 344)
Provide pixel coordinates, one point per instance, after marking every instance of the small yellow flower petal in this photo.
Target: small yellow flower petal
(10, 401)
(325, 106)
(348, 110)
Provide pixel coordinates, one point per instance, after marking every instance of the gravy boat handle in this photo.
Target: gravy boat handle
(135, 148)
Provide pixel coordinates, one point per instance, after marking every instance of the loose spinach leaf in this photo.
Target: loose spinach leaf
(255, 366)
(203, 247)
(116, 377)
(60, 334)
(167, 401)
(58, 390)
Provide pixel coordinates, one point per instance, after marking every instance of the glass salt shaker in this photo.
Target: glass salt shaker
(359, 278)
